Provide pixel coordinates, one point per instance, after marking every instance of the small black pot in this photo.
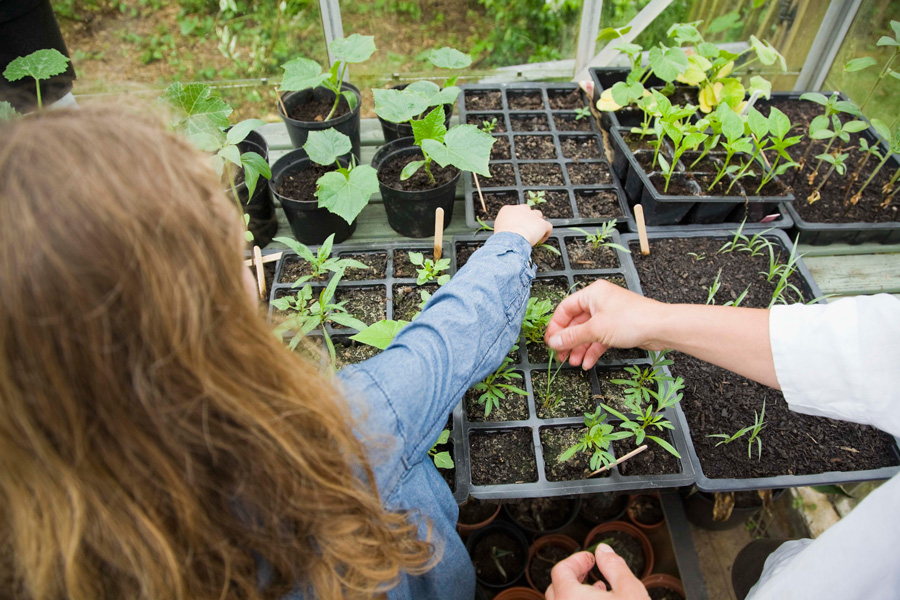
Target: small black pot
(347, 124)
(263, 220)
(508, 531)
(395, 131)
(698, 506)
(309, 223)
(411, 213)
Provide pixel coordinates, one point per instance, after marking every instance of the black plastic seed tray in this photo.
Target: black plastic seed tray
(565, 159)
(706, 484)
(531, 362)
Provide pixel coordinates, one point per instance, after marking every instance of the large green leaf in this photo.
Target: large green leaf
(442, 460)
(254, 167)
(731, 20)
(466, 147)
(669, 63)
(200, 113)
(346, 196)
(398, 106)
(433, 93)
(449, 58)
(761, 85)
(238, 132)
(732, 124)
(41, 64)
(325, 146)
(431, 127)
(779, 123)
(302, 73)
(355, 48)
(624, 93)
(380, 334)
(684, 33)
(767, 53)
(759, 125)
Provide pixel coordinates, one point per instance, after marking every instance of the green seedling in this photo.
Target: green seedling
(321, 262)
(381, 334)
(429, 270)
(893, 140)
(596, 441)
(551, 399)
(489, 126)
(496, 555)
(602, 237)
(40, 65)
(344, 191)
(754, 245)
(442, 460)
(643, 380)
(819, 127)
(535, 198)
(7, 112)
(838, 131)
(493, 386)
(778, 125)
(838, 164)
(650, 414)
(714, 288)
(537, 316)
(736, 142)
(302, 73)
(780, 274)
(858, 64)
(754, 430)
(582, 113)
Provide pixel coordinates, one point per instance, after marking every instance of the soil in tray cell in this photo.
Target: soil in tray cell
(534, 147)
(704, 180)
(500, 150)
(556, 204)
(772, 188)
(531, 100)
(501, 457)
(636, 142)
(589, 173)
(583, 255)
(655, 460)
(646, 160)
(602, 507)
(493, 201)
(555, 441)
(368, 304)
(541, 174)
(569, 122)
(611, 394)
(502, 175)
(480, 120)
(498, 558)
(513, 407)
(597, 204)
(580, 147)
(408, 298)
(475, 511)
(679, 185)
(296, 267)
(525, 122)
(484, 100)
(348, 352)
(543, 562)
(830, 208)
(570, 393)
(402, 265)
(377, 261)
(625, 546)
(704, 165)
(582, 281)
(551, 288)
(565, 100)
(545, 259)
(389, 174)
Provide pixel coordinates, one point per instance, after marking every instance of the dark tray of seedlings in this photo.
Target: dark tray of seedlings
(742, 436)
(387, 289)
(515, 434)
(549, 153)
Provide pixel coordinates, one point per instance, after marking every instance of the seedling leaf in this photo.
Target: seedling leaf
(398, 106)
(432, 128)
(355, 48)
(302, 73)
(202, 115)
(449, 58)
(380, 334)
(858, 64)
(347, 196)
(325, 146)
(41, 64)
(668, 64)
(466, 147)
(254, 165)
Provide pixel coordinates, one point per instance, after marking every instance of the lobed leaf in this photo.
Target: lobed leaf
(432, 127)
(449, 58)
(346, 196)
(354, 48)
(325, 146)
(41, 64)
(302, 73)
(466, 147)
(669, 63)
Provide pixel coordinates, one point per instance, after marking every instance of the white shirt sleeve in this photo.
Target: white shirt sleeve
(840, 360)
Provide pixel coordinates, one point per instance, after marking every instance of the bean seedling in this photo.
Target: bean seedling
(535, 198)
(442, 460)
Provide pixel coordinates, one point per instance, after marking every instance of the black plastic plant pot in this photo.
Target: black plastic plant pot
(348, 123)
(263, 220)
(512, 452)
(699, 509)
(545, 151)
(395, 131)
(411, 212)
(716, 408)
(499, 542)
(309, 223)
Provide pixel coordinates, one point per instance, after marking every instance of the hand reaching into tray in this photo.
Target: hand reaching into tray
(568, 575)
(525, 221)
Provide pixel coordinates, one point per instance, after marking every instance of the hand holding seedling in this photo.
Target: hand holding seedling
(568, 575)
(525, 221)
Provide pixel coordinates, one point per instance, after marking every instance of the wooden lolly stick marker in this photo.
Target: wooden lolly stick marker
(480, 195)
(260, 273)
(265, 259)
(642, 229)
(438, 233)
(621, 460)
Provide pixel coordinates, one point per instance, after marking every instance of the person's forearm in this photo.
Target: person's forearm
(733, 338)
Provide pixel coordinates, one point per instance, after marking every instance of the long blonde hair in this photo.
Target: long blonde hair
(156, 440)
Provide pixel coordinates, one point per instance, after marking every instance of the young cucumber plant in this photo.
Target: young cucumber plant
(40, 65)
(595, 441)
(346, 190)
(601, 237)
(442, 460)
(492, 387)
(302, 73)
(430, 270)
(759, 422)
(321, 262)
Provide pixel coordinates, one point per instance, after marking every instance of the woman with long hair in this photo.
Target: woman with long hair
(158, 442)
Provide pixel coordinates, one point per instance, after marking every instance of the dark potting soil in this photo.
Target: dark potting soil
(583, 255)
(500, 150)
(772, 188)
(377, 261)
(407, 299)
(555, 441)
(541, 174)
(545, 259)
(599, 508)
(464, 251)
(367, 304)
(543, 562)
(525, 100)
(646, 509)
(557, 205)
(402, 265)
(717, 401)
(646, 160)
(513, 406)
(591, 173)
(389, 174)
(300, 184)
(625, 546)
(295, 267)
(532, 147)
(597, 204)
(570, 393)
(721, 188)
(653, 461)
(679, 185)
(529, 123)
(475, 511)
(565, 100)
(569, 122)
(550, 288)
(704, 165)
(351, 353)
(502, 175)
(636, 142)
(612, 394)
(499, 548)
(493, 201)
(499, 457)
(580, 147)
(479, 120)
(484, 101)
(582, 281)
(315, 110)
(542, 514)
(664, 594)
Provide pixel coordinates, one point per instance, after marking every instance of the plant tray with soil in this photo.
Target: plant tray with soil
(548, 144)
(370, 294)
(512, 451)
(790, 449)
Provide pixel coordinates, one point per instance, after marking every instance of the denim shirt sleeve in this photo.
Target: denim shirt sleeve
(461, 336)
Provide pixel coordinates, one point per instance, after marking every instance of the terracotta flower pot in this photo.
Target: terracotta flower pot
(597, 535)
(552, 540)
(661, 581)
(634, 513)
(519, 593)
(465, 529)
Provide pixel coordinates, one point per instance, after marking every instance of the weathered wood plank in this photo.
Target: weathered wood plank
(856, 274)
(847, 249)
